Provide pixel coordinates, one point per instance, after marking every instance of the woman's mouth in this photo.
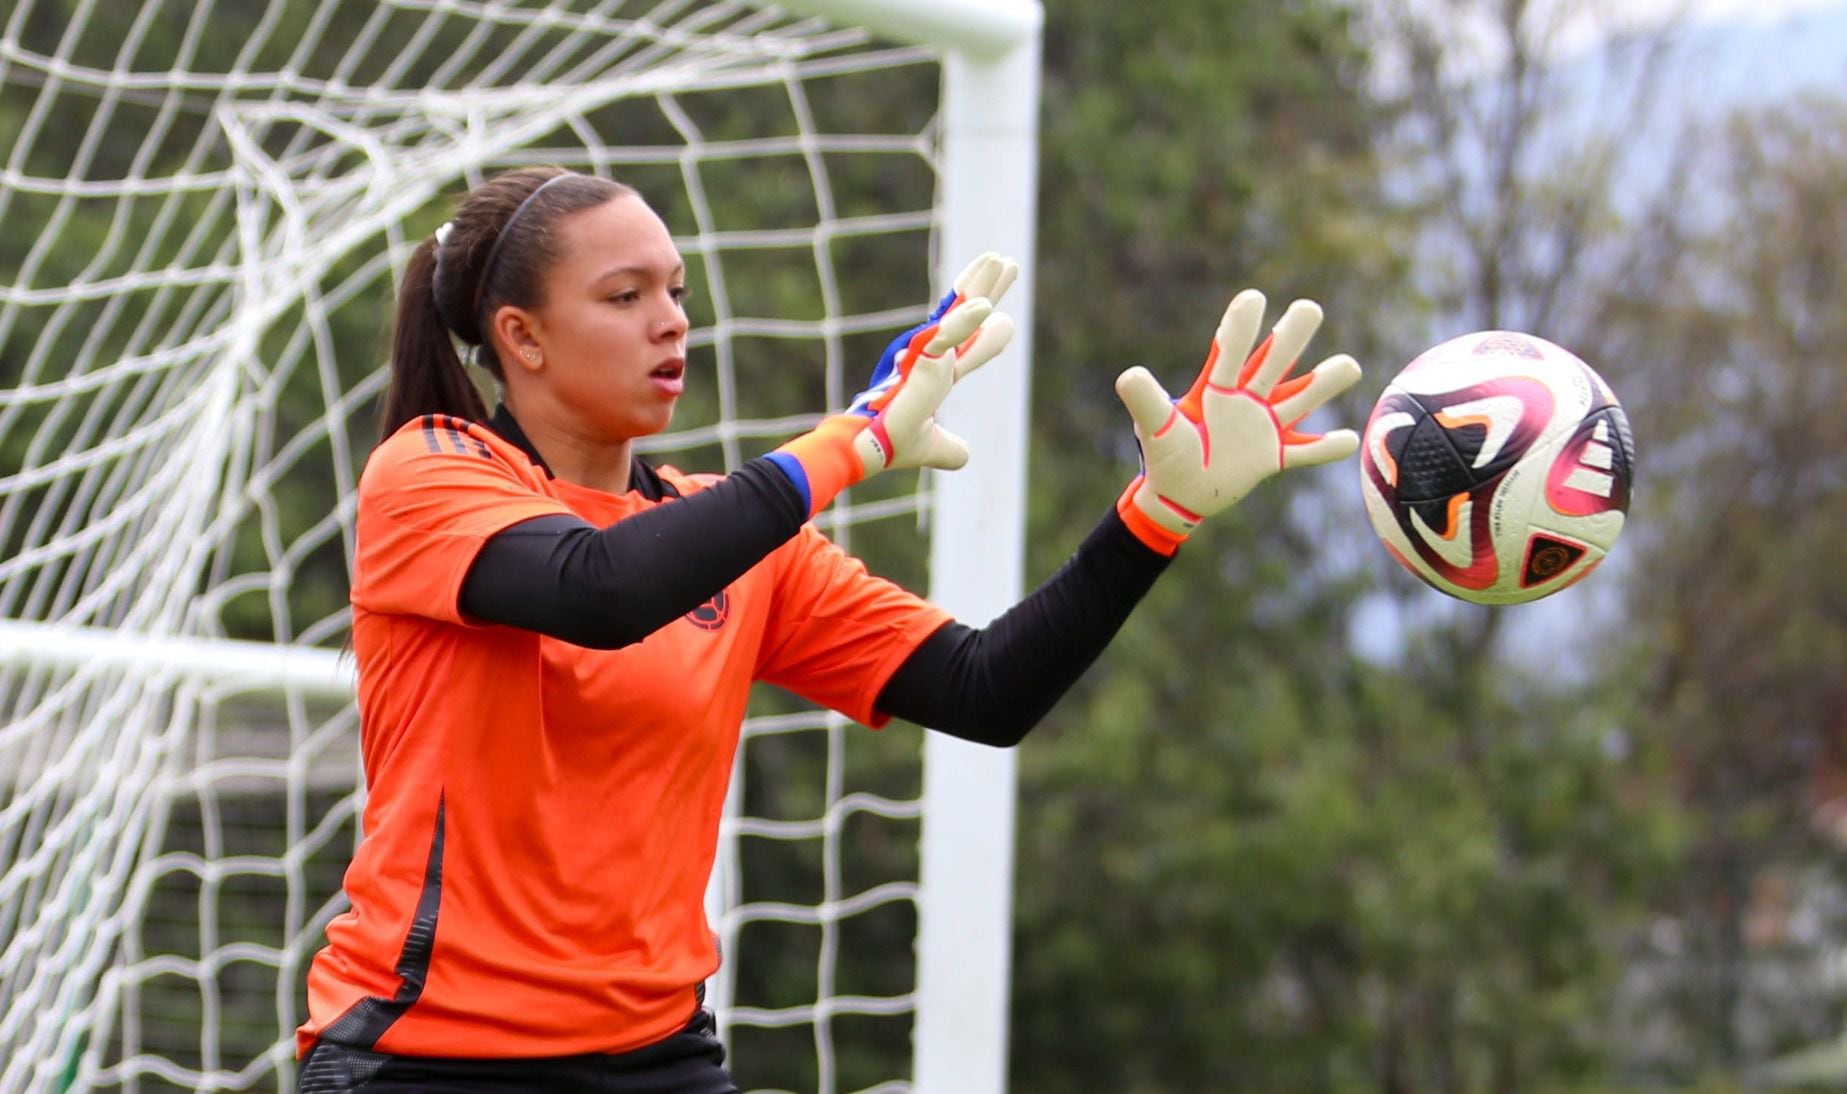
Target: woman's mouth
(670, 376)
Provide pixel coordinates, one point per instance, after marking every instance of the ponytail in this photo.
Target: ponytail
(426, 375)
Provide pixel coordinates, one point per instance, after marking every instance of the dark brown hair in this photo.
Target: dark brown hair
(453, 285)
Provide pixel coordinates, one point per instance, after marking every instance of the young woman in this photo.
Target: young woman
(556, 639)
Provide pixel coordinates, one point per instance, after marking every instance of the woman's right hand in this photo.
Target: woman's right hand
(892, 423)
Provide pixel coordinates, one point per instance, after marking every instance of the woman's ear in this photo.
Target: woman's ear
(515, 329)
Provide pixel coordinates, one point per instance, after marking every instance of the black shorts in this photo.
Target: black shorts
(691, 1061)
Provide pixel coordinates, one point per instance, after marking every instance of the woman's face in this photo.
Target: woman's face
(610, 337)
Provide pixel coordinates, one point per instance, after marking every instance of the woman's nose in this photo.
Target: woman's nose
(672, 323)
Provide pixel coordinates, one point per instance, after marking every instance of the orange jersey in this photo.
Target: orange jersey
(542, 818)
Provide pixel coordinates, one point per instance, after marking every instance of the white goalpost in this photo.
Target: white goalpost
(204, 210)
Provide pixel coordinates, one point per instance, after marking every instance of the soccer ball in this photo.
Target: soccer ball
(1496, 467)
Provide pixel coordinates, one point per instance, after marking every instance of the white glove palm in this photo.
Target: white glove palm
(1234, 427)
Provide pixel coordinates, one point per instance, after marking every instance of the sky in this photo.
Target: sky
(1644, 12)
(1745, 15)
(1583, 23)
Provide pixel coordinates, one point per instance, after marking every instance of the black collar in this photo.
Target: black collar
(641, 477)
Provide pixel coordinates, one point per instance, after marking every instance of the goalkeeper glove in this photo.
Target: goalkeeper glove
(892, 423)
(1234, 428)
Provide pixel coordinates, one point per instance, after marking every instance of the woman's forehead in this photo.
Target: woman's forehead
(619, 234)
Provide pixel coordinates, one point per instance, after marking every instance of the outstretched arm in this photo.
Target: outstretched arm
(610, 587)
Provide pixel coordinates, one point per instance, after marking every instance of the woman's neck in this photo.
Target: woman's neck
(571, 453)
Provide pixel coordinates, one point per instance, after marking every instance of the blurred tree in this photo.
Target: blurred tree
(1731, 322)
(1174, 848)
(1506, 150)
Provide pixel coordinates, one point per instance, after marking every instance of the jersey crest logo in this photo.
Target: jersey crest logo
(711, 615)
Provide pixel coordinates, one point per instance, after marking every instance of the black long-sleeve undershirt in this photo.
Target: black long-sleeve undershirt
(993, 685)
(610, 587)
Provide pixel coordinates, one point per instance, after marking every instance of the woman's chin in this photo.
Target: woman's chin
(655, 421)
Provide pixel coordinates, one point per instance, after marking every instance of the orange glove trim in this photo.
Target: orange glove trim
(827, 456)
(1144, 528)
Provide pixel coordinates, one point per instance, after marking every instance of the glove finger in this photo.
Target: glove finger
(995, 332)
(978, 272)
(1004, 278)
(1232, 343)
(1337, 445)
(934, 373)
(957, 325)
(989, 275)
(917, 400)
(1148, 403)
(944, 450)
(1287, 341)
(961, 288)
(1330, 378)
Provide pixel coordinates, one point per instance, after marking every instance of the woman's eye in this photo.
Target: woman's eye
(626, 296)
(680, 293)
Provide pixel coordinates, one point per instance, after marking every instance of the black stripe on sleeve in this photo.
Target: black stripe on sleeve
(460, 427)
(994, 684)
(447, 427)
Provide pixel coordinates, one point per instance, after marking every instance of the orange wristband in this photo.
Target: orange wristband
(1156, 537)
(827, 458)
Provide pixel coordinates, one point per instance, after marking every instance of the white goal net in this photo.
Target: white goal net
(203, 209)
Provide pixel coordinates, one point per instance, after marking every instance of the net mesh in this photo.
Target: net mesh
(205, 206)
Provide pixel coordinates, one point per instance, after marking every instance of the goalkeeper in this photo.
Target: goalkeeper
(556, 639)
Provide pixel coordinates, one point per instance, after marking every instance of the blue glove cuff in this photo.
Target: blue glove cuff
(797, 474)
